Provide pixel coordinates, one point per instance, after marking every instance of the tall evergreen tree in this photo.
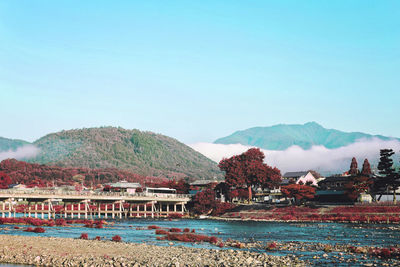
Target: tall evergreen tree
(366, 168)
(389, 179)
(353, 167)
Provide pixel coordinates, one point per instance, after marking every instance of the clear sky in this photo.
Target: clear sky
(198, 70)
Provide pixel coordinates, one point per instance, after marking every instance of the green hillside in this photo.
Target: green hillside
(282, 136)
(144, 153)
(11, 144)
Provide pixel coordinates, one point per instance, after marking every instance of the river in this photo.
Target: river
(380, 235)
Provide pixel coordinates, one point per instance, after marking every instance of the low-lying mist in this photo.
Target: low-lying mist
(21, 153)
(319, 158)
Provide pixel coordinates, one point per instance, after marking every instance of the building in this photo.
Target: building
(200, 185)
(332, 190)
(303, 177)
(122, 186)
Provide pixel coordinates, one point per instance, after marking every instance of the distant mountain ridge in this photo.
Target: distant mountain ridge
(144, 153)
(283, 136)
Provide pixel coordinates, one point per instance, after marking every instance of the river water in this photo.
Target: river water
(379, 235)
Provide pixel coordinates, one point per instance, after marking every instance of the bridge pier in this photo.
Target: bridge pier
(9, 209)
(49, 210)
(154, 206)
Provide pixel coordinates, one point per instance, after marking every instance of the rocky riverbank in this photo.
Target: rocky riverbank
(48, 251)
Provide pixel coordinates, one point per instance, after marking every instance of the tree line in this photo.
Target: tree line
(387, 180)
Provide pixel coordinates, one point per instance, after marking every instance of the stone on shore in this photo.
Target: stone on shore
(50, 251)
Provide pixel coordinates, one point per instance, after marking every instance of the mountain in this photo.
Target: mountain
(11, 144)
(282, 136)
(144, 153)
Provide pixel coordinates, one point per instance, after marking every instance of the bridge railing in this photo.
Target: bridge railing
(90, 193)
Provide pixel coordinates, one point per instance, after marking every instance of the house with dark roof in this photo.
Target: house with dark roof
(333, 190)
(200, 185)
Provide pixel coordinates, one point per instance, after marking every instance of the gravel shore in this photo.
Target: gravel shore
(48, 251)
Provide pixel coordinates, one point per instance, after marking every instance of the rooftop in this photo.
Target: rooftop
(294, 174)
(203, 182)
(124, 184)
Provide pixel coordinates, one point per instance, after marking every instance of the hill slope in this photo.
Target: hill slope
(145, 153)
(282, 136)
(11, 144)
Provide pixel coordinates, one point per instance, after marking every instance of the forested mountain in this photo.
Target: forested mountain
(11, 144)
(282, 136)
(144, 153)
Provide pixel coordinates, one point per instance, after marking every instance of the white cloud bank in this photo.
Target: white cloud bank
(23, 152)
(317, 158)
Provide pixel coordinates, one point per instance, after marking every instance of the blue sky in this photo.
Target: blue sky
(198, 70)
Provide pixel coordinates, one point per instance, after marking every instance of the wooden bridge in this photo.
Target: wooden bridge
(52, 204)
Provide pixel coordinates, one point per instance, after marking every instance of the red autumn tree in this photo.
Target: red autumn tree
(366, 168)
(248, 169)
(299, 192)
(353, 167)
(204, 201)
(5, 180)
(358, 185)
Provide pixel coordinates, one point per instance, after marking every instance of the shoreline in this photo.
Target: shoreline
(51, 251)
(288, 221)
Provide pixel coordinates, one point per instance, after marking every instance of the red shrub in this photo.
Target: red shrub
(29, 229)
(271, 246)
(98, 238)
(60, 222)
(161, 232)
(385, 253)
(189, 237)
(186, 230)
(222, 208)
(16, 227)
(39, 230)
(116, 238)
(175, 230)
(84, 236)
(151, 227)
